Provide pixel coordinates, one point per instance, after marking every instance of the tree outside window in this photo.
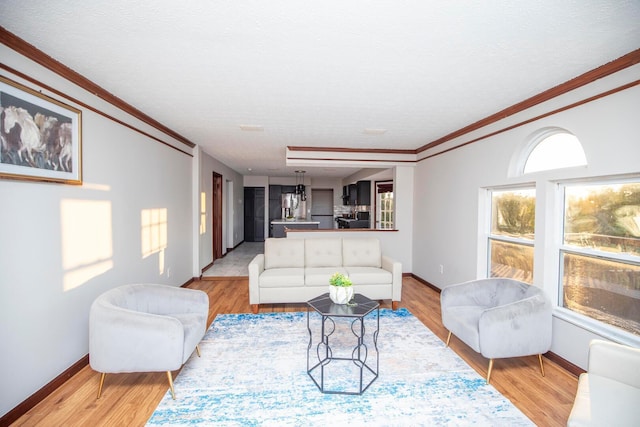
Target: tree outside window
(512, 233)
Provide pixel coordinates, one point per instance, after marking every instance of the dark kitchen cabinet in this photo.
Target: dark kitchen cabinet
(274, 192)
(288, 189)
(254, 214)
(363, 197)
(345, 195)
(353, 194)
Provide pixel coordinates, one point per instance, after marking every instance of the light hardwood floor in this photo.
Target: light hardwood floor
(130, 399)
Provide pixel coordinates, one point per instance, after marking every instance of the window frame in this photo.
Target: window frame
(491, 237)
(588, 323)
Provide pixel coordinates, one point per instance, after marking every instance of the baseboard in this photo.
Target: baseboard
(424, 282)
(205, 268)
(241, 242)
(188, 282)
(222, 278)
(564, 364)
(38, 396)
(223, 255)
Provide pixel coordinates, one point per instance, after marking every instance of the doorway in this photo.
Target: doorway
(384, 205)
(217, 216)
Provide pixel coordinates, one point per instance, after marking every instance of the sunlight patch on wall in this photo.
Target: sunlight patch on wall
(154, 234)
(154, 231)
(87, 240)
(203, 212)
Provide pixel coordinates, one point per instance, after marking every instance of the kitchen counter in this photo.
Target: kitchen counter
(279, 227)
(352, 223)
(296, 221)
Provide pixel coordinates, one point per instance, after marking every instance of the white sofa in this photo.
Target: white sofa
(609, 393)
(293, 270)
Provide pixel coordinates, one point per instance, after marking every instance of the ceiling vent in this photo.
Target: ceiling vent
(252, 128)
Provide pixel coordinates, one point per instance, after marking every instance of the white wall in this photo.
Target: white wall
(208, 165)
(62, 245)
(446, 207)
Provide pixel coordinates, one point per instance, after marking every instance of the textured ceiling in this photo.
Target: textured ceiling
(320, 73)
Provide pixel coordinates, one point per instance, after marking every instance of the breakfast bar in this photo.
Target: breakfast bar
(279, 227)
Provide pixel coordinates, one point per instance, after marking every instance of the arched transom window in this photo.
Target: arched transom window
(554, 148)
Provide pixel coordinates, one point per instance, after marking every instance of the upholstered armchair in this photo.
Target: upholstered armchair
(145, 328)
(609, 392)
(498, 318)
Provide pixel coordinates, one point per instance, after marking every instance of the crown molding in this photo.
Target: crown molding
(33, 53)
(612, 67)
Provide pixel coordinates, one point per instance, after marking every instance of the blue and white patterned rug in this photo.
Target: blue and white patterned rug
(253, 372)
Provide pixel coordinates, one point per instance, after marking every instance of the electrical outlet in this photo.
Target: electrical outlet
(169, 272)
(441, 269)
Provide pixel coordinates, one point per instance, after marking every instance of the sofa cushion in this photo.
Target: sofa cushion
(369, 276)
(361, 252)
(323, 252)
(282, 278)
(319, 276)
(284, 253)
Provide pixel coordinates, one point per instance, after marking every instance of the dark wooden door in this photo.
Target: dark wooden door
(217, 216)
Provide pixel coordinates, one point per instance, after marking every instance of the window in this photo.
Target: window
(510, 243)
(554, 148)
(600, 253)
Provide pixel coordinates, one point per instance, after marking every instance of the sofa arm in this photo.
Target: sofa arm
(122, 340)
(395, 268)
(615, 361)
(256, 267)
(516, 329)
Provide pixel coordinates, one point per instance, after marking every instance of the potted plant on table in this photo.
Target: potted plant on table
(340, 289)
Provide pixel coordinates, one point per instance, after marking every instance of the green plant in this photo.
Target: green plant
(339, 279)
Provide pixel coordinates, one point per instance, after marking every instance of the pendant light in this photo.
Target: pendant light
(300, 190)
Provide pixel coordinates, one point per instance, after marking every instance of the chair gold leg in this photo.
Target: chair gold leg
(198, 350)
(104, 374)
(541, 365)
(173, 394)
(489, 370)
(448, 338)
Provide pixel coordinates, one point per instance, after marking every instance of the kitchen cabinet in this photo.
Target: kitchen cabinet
(345, 195)
(363, 191)
(353, 194)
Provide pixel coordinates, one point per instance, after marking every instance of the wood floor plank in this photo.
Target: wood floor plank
(130, 399)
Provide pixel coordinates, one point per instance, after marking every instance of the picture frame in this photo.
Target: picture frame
(40, 137)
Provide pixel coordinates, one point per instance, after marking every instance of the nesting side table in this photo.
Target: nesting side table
(340, 362)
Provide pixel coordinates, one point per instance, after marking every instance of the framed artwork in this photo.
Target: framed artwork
(41, 138)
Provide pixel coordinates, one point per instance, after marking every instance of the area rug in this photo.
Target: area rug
(253, 372)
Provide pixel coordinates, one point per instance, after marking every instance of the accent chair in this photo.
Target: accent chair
(145, 328)
(498, 318)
